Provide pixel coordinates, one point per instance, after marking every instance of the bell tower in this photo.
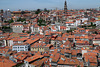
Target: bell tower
(65, 7)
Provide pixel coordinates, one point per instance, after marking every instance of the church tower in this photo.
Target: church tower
(65, 7)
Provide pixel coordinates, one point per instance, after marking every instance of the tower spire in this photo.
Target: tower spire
(65, 7)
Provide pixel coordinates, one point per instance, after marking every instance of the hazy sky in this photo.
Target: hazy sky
(34, 4)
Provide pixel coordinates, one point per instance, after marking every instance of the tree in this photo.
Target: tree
(91, 24)
(41, 22)
(5, 27)
(10, 21)
(37, 11)
(21, 19)
(0, 44)
(22, 12)
(78, 66)
(5, 21)
(23, 31)
(96, 32)
(69, 31)
(28, 32)
(45, 9)
(25, 23)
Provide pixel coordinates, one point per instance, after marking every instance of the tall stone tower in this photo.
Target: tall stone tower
(1, 11)
(99, 8)
(65, 7)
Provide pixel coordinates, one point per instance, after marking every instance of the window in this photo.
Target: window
(21, 50)
(25, 47)
(21, 47)
(14, 47)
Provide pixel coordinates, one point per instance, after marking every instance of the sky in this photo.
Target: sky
(49, 4)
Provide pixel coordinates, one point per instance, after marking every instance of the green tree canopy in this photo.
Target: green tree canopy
(45, 9)
(37, 11)
(10, 21)
(21, 19)
(22, 12)
(41, 22)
